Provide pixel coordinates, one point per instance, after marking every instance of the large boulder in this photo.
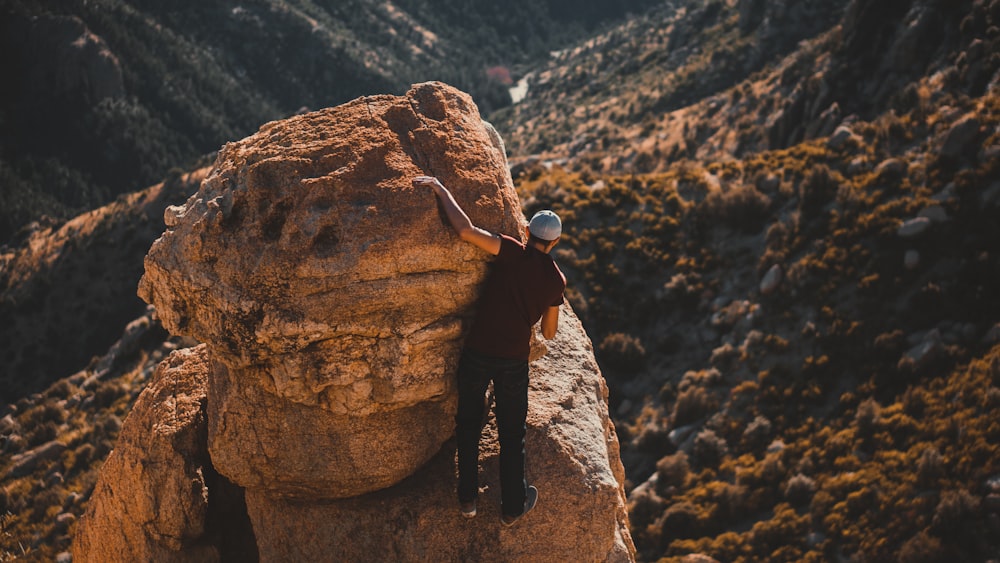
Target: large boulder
(572, 457)
(331, 293)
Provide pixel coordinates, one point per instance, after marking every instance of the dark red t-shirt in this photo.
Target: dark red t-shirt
(523, 283)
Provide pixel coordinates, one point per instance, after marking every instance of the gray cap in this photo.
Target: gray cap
(545, 225)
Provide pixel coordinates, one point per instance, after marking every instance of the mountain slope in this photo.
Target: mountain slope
(110, 94)
(788, 277)
(787, 303)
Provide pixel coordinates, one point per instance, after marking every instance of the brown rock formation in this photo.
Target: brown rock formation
(151, 499)
(330, 293)
(332, 299)
(156, 499)
(572, 457)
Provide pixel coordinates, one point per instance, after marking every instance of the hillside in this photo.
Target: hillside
(780, 232)
(110, 95)
(788, 283)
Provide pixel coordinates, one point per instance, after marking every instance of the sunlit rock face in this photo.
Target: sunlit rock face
(329, 290)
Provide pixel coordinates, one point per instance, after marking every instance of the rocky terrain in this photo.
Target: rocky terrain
(781, 235)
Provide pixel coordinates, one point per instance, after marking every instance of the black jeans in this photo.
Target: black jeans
(510, 388)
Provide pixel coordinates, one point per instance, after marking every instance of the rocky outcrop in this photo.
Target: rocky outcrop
(332, 300)
(158, 498)
(331, 294)
(151, 499)
(325, 387)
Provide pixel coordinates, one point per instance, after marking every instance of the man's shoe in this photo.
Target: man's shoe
(468, 508)
(530, 498)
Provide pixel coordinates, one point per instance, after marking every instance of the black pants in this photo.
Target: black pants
(510, 388)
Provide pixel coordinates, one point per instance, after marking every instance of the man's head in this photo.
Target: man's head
(544, 229)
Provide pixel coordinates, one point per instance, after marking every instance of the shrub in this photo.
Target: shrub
(743, 209)
(82, 457)
(709, 448)
(757, 434)
(60, 390)
(108, 393)
(671, 472)
(800, 489)
(622, 351)
(867, 417)
(42, 433)
(922, 548)
(45, 412)
(644, 508)
(930, 468)
(679, 521)
(954, 512)
(692, 404)
(817, 189)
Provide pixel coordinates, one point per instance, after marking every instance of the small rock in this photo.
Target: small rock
(770, 183)
(646, 487)
(54, 479)
(841, 136)
(991, 195)
(913, 227)
(993, 484)
(992, 337)
(64, 557)
(771, 280)
(968, 331)
(65, 519)
(857, 166)
(624, 407)
(7, 424)
(922, 353)
(776, 446)
(679, 435)
(911, 259)
(891, 168)
(24, 464)
(961, 134)
(935, 213)
(945, 194)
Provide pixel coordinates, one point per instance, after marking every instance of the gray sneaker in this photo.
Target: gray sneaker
(468, 509)
(530, 499)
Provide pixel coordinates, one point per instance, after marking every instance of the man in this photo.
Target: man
(524, 286)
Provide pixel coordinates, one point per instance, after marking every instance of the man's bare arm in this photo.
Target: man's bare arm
(458, 219)
(550, 322)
